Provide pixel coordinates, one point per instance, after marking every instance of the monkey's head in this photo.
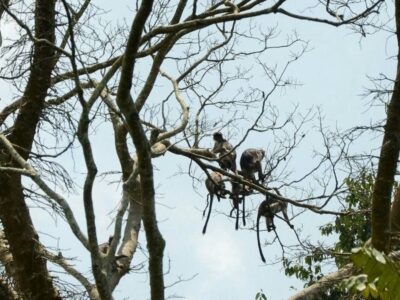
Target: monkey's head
(262, 153)
(218, 137)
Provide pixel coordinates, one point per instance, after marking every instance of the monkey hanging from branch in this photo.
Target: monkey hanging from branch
(268, 209)
(225, 151)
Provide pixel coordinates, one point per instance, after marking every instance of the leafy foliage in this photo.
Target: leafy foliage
(353, 230)
(309, 271)
(380, 278)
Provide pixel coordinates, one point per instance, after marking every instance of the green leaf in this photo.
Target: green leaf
(365, 291)
(373, 290)
(379, 256)
(381, 278)
(360, 286)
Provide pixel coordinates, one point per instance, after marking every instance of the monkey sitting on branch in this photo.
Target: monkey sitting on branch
(105, 247)
(250, 163)
(226, 154)
(268, 209)
(215, 186)
(238, 194)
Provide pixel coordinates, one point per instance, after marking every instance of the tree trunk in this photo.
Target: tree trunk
(32, 276)
(387, 162)
(395, 220)
(155, 241)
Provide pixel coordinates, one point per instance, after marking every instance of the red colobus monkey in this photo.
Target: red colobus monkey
(238, 194)
(105, 247)
(250, 163)
(215, 186)
(226, 154)
(268, 209)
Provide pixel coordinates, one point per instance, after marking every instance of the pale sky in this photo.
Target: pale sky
(333, 74)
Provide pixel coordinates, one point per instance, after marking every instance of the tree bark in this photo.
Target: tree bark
(155, 241)
(32, 276)
(395, 220)
(316, 290)
(3, 4)
(389, 155)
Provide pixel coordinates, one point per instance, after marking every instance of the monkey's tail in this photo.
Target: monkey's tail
(209, 213)
(204, 211)
(237, 207)
(237, 218)
(244, 211)
(258, 233)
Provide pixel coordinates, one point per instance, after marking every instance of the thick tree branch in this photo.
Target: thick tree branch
(83, 137)
(316, 290)
(32, 276)
(184, 107)
(155, 242)
(60, 200)
(382, 194)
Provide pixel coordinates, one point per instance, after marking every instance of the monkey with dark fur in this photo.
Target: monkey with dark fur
(226, 154)
(268, 209)
(215, 186)
(238, 196)
(250, 163)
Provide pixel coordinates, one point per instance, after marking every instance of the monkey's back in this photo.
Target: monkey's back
(247, 159)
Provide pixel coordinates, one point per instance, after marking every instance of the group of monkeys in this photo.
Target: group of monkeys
(250, 163)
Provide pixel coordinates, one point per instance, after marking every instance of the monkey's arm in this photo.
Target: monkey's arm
(260, 172)
(217, 148)
(285, 216)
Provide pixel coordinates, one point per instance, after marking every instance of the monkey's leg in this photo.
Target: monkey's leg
(270, 223)
(284, 212)
(261, 176)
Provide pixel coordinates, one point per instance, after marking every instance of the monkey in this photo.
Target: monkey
(215, 186)
(250, 163)
(226, 154)
(117, 263)
(238, 194)
(105, 247)
(268, 209)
